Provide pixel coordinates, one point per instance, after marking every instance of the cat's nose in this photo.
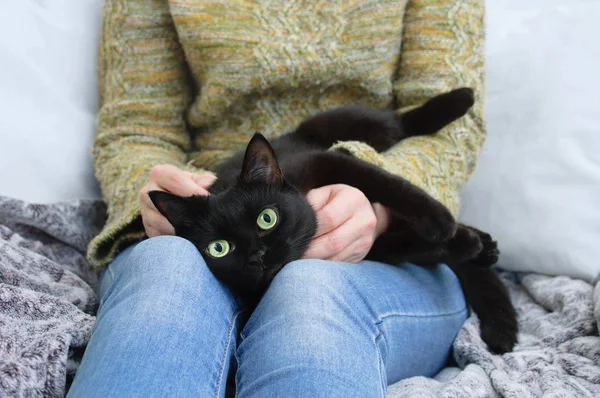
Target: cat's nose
(256, 257)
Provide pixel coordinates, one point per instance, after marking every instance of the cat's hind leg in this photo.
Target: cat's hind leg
(486, 294)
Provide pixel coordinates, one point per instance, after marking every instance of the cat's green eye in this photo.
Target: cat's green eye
(218, 248)
(267, 219)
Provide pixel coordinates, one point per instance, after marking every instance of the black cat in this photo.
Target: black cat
(257, 218)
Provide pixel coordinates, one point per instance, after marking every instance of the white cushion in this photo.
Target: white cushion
(537, 185)
(48, 98)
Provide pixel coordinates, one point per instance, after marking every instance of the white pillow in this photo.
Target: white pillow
(537, 186)
(48, 98)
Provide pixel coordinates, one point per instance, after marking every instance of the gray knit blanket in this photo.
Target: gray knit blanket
(48, 302)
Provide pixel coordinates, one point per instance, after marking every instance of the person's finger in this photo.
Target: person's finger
(144, 197)
(319, 197)
(172, 179)
(335, 245)
(340, 208)
(382, 214)
(156, 224)
(355, 252)
(359, 232)
(351, 241)
(327, 245)
(204, 179)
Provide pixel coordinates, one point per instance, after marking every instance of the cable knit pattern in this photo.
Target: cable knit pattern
(187, 82)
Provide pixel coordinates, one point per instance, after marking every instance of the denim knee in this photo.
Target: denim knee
(312, 337)
(162, 252)
(310, 279)
(309, 289)
(164, 270)
(166, 326)
(346, 329)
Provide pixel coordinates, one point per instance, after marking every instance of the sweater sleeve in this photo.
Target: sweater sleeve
(442, 49)
(144, 91)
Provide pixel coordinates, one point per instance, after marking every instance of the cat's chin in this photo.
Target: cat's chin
(259, 283)
(270, 274)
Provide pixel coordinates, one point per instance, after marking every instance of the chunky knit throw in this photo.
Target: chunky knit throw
(47, 303)
(187, 82)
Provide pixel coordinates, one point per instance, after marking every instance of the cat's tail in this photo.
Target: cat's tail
(438, 112)
(488, 297)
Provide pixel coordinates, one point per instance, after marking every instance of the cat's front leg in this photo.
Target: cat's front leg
(400, 244)
(472, 244)
(432, 220)
(426, 216)
(489, 253)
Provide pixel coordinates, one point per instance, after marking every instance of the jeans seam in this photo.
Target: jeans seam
(381, 364)
(112, 275)
(237, 358)
(381, 335)
(224, 357)
(112, 281)
(448, 314)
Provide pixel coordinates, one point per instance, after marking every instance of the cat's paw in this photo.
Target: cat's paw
(437, 227)
(501, 335)
(489, 253)
(465, 245)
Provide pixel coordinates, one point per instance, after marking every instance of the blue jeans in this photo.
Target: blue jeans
(167, 327)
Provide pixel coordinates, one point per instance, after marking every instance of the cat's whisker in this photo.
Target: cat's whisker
(254, 180)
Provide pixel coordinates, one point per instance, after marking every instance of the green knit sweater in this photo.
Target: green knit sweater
(186, 82)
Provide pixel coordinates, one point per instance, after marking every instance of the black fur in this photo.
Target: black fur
(421, 230)
(257, 255)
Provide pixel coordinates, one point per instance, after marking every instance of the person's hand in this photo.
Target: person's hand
(166, 177)
(348, 223)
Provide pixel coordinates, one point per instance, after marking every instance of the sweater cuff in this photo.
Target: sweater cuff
(122, 228)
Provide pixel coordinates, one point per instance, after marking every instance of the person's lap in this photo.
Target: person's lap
(166, 326)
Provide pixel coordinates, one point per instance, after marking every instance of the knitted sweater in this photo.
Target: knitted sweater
(187, 82)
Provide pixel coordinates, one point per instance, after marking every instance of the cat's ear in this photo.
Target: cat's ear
(178, 210)
(260, 163)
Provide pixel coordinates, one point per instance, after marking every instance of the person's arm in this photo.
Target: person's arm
(442, 49)
(144, 91)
